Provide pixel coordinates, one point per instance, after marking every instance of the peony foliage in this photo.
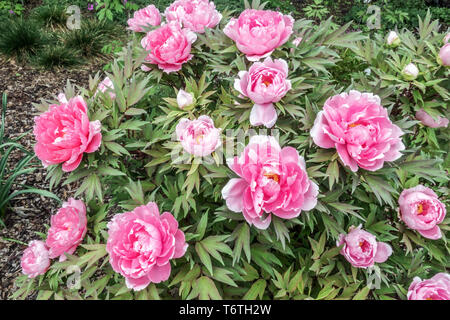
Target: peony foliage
(226, 157)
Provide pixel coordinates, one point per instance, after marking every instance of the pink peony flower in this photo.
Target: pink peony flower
(271, 180)
(35, 260)
(144, 17)
(436, 288)
(106, 86)
(64, 133)
(184, 99)
(258, 33)
(362, 249)
(421, 210)
(195, 15)
(198, 137)
(265, 83)
(169, 46)
(67, 229)
(141, 244)
(428, 120)
(444, 55)
(359, 128)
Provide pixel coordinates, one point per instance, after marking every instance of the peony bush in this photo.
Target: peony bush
(280, 173)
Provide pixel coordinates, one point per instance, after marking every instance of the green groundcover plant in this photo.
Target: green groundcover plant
(226, 157)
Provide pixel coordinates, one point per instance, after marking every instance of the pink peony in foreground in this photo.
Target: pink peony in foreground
(64, 133)
(272, 180)
(258, 33)
(436, 288)
(35, 259)
(169, 47)
(67, 229)
(195, 15)
(265, 83)
(198, 137)
(359, 128)
(148, 16)
(428, 120)
(421, 210)
(141, 244)
(106, 86)
(362, 249)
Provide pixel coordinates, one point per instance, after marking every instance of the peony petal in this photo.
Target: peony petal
(383, 252)
(433, 234)
(158, 274)
(263, 115)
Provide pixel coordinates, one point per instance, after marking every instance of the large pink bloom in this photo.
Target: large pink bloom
(141, 244)
(64, 133)
(198, 137)
(359, 128)
(148, 16)
(421, 210)
(258, 33)
(436, 288)
(67, 229)
(428, 120)
(195, 15)
(169, 47)
(35, 260)
(271, 180)
(362, 249)
(265, 83)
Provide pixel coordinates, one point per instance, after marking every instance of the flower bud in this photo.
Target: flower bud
(410, 72)
(184, 99)
(443, 57)
(392, 39)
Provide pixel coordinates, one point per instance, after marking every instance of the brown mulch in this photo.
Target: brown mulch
(29, 214)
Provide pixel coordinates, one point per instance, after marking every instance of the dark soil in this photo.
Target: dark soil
(29, 214)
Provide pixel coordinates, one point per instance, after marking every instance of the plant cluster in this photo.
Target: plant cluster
(329, 181)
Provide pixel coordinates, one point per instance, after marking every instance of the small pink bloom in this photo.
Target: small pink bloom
(297, 41)
(258, 33)
(35, 260)
(184, 99)
(169, 47)
(62, 98)
(141, 244)
(198, 137)
(265, 83)
(148, 16)
(362, 249)
(359, 128)
(106, 86)
(444, 55)
(67, 229)
(195, 15)
(421, 210)
(64, 133)
(436, 288)
(271, 180)
(428, 120)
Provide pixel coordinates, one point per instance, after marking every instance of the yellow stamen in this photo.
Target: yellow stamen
(197, 138)
(419, 208)
(353, 125)
(272, 176)
(267, 83)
